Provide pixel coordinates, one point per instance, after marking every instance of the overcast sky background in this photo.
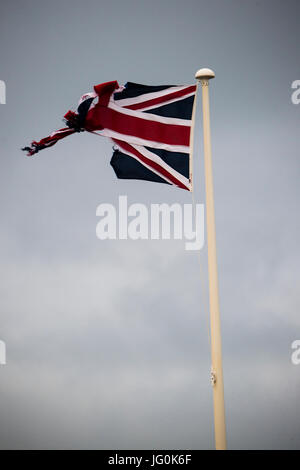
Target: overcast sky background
(107, 343)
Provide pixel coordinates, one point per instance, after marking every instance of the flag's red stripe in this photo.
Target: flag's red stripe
(171, 134)
(162, 99)
(151, 163)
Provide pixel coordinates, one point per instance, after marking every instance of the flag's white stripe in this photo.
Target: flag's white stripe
(48, 144)
(147, 166)
(150, 96)
(147, 116)
(57, 132)
(155, 158)
(137, 141)
(62, 131)
(165, 103)
(86, 96)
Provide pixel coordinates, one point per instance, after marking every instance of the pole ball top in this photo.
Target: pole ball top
(205, 73)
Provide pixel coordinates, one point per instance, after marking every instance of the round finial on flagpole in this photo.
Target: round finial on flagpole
(205, 74)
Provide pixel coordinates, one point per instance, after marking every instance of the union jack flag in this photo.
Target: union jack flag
(150, 126)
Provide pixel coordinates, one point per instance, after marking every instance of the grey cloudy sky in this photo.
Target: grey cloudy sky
(107, 341)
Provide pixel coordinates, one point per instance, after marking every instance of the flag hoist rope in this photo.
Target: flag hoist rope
(203, 76)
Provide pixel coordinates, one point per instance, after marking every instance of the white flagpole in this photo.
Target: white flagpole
(204, 75)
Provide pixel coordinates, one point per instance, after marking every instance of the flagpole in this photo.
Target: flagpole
(204, 75)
